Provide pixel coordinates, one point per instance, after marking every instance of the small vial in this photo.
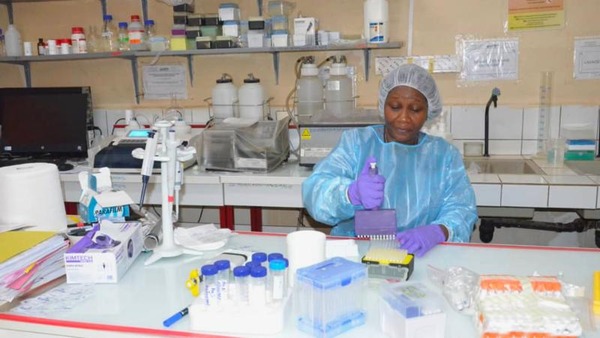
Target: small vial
(209, 288)
(277, 279)
(258, 286)
(239, 293)
(27, 49)
(260, 257)
(123, 37)
(65, 46)
(52, 47)
(223, 266)
(41, 47)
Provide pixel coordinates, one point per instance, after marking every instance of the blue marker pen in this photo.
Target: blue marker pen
(174, 318)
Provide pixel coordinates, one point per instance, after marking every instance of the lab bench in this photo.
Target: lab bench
(497, 195)
(147, 295)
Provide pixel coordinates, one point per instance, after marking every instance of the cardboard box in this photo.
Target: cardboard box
(98, 200)
(104, 254)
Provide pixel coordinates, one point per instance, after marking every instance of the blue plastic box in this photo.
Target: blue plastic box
(329, 297)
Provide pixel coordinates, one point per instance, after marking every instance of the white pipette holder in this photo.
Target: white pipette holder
(168, 153)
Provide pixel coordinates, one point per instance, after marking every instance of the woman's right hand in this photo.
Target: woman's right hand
(368, 188)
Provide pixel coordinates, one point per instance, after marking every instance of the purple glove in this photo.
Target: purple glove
(421, 239)
(368, 187)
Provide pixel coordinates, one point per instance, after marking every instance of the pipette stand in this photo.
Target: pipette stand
(168, 154)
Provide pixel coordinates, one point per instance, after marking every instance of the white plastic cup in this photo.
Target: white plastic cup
(304, 248)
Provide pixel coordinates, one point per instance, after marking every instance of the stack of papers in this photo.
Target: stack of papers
(29, 259)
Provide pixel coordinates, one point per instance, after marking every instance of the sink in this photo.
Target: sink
(584, 167)
(502, 166)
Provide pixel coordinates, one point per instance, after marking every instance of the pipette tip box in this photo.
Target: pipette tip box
(411, 310)
(329, 297)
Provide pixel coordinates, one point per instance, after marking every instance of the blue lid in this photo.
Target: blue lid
(122, 24)
(277, 264)
(274, 255)
(259, 257)
(149, 22)
(208, 270)
(333, 273)
(252, 264)
(241, 271)
(258, 271)
(228, 5)
(107, 17)
(222, 264)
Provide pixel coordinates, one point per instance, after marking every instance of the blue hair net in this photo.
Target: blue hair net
(415, 77)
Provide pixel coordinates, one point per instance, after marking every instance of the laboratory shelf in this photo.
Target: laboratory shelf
(132, 56)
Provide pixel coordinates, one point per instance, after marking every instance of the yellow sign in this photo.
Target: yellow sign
(306, 134)
(535, 14)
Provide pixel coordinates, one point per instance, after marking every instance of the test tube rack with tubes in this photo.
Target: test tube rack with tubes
(252, 294)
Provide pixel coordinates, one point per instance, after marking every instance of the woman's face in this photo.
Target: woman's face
(405, 112)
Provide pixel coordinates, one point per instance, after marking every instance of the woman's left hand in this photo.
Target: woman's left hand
(421, 239)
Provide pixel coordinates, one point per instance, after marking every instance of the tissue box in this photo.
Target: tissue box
(104, 254)
(98, 200)
(410, 310)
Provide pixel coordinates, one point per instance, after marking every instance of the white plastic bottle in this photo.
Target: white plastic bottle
(78, 42)
(252, 98)
(338, 91)
(376, 21)
(224, 98)
(136, 33)
(13, 41)
(309, 91)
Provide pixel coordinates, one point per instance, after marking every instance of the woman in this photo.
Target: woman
(421, 176)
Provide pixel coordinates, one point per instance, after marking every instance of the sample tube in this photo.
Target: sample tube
(223, 267)
(277, 279)
(241, 275)
(209, 285)
(258, 286)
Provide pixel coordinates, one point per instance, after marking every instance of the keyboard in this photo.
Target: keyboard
(60, 163)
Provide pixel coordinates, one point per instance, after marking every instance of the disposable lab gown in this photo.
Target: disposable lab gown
(426, 183)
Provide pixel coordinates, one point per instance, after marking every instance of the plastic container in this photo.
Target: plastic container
(251, 97)
(223, 277)
(277, 287)
(257, 291)
(78, 42)
(338, 91)
(224, 98)
(309, 91)
(123, 37)
(13, 41)
(239, 293)
(136, 33)
(376, 21)
(209, 287)
(329, 297)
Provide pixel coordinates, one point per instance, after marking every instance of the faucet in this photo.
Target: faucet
(486, 140)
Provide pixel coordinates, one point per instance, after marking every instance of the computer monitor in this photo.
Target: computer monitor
(48, 122)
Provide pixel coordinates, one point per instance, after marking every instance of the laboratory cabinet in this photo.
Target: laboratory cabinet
(133, 56)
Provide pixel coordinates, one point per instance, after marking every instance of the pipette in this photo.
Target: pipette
(148, 162)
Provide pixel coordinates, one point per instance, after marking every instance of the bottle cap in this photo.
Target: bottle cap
(277, 264)
(135, 18)
(208, 270)
(338, 69)
(122, 24)
(251, 79)
(149, 22)
(309, 69)
(107, 17)
(258, 271)
(241, 271)
(274, 255)
(222, 264)
(259, 257)
(252, 264)
(77, 30)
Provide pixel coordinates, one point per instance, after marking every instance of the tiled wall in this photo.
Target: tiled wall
(513, 131)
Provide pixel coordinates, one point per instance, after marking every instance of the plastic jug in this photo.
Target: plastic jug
(376, 21)
(338, 91)
(224, 98)
(13, 41)
(309, 91)
(252, 99)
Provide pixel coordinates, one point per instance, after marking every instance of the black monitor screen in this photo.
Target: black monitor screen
(45, 121)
